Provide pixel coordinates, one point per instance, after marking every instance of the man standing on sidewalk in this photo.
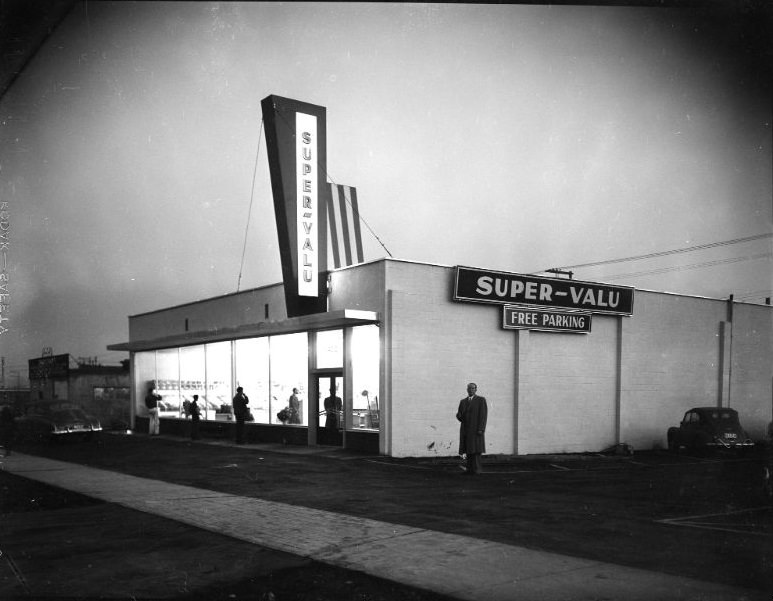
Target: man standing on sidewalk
(240, 403)
(151, 402)
(472, 413)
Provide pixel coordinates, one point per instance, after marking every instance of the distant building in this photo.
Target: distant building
(102, 390)
(15, 397)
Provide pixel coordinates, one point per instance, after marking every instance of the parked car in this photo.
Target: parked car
(55, 419)
(707, 428)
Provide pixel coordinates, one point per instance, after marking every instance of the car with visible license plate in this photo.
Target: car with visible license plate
(55, 419)
(709, 428)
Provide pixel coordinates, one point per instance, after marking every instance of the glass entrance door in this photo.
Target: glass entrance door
(330, 392)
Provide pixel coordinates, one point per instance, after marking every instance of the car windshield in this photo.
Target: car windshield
(59, 412)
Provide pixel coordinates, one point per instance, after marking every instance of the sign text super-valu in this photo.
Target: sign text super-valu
(484, 286)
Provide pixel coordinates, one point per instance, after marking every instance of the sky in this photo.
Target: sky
(509, 137)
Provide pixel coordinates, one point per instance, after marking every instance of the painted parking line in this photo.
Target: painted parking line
(708, 521)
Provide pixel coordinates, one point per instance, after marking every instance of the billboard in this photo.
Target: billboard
(486, 286)
(56, 366)
(296, 139)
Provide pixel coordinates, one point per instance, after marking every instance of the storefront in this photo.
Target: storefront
(398, 348)
(333, 355)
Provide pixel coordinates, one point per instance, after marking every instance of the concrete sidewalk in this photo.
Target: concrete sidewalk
(458, 566)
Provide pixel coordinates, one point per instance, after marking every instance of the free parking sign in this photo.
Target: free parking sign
(520, 318)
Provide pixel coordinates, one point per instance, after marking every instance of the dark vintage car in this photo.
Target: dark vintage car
(55, 419)
(707, 428)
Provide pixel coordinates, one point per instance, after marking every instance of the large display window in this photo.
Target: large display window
(272, 370)
(168, 382)
(365, 411)
(218, 376)
(192, 377)
(251, 363)
(289, 368)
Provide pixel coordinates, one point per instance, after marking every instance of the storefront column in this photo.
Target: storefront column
(312, 394)
(725, 358)
(522, 341)
(619, 380)
(348, 397)
(385, 406)
(133, 393)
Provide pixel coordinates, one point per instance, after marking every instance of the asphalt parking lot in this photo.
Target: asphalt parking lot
(700, 517)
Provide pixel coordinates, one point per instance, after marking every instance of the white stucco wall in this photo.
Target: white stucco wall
(751, 377)
(567, 389)
(671, 361)
(437, 348)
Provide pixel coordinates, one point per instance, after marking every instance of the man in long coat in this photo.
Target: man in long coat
(472, 413)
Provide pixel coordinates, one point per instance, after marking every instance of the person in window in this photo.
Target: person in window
(195, 413)
(151, 402)
(333, 406)
(295, 406)
(472, 415)
(240, 403)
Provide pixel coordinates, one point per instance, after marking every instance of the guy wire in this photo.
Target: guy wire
(249, 212)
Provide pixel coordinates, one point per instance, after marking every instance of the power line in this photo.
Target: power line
(688, 267)
(670, 252)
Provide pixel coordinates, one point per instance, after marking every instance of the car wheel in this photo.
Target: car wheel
(673, 445)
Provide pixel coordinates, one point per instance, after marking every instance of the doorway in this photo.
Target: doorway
(330, 395)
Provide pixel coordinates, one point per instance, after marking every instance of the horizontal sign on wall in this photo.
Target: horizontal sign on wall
(485, 286)
(522, 318)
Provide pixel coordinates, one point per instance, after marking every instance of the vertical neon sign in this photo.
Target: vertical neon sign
(307, 194)
(296, 135)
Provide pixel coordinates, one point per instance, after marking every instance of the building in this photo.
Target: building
(381, 352)
(400, 340)
(102, 390)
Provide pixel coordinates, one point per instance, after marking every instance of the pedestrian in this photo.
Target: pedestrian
(195, 412)
(333, 407)
(151, 402)
(7, 428)
(472, 413)
(295, 406)
(240, 403)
